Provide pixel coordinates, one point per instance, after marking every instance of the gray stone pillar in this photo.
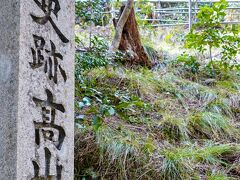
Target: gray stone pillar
(36, 89)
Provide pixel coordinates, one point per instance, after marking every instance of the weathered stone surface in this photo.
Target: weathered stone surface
(37, 97)
(9, 55)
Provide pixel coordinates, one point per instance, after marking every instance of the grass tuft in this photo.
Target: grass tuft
(210, 125)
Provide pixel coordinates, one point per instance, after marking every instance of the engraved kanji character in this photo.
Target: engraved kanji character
(48, 7)
(38, 57)
(51, 63)
(52, 66)
(48, 131)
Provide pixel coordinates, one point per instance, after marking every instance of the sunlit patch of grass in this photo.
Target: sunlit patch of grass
(183, 162)
(177, 163)
(173, 168)
(168, 140)
(181, 112)
(210, 125)
(145, 81)
(219, 176)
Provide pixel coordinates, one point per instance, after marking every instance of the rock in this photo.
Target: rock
(36, 89)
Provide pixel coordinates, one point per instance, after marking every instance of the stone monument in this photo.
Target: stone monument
(36, 89)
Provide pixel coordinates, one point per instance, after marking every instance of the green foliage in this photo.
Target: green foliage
(179, 162)
(98, 105)
(133, 138)
(145, 124)
(126, 152)
(219, 69)
(219, 176)
(103, 104)
(116, 4)
(146, 8)
(230, 42)
(128, 103)
(209, 33)
(90, 11)
(189, 62)
(94, 57)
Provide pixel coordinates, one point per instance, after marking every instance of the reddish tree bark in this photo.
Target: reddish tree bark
(130, 41)
(120, 24)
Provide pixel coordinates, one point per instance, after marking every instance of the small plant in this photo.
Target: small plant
(209, 33)
(220, 69)
(145, 13)
(99, 105)
(93, 57)
(96, 105)
(189, 62)
(89, 11)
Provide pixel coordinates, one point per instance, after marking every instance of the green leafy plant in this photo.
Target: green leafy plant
(208, 30)
(146, 8)
(209, 33)
(230, 42)
(189, 62)
(99, 105)
(93, 57)
(219, 69)
(89, 11)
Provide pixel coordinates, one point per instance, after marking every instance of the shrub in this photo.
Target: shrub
(189, 62)
(209, 33)
(94, 57)
(208, 30)
(89, 11)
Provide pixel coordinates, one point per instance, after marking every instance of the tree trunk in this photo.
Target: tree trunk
(120, 24)
(130, 41)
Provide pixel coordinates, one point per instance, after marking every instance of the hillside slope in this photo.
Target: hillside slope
(164, 123)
